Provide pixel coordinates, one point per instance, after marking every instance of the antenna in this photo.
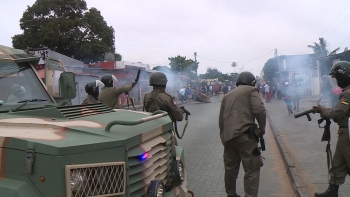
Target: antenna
(109, 57)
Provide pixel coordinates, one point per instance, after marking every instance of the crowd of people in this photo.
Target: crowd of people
(189, 93)
(290, 93)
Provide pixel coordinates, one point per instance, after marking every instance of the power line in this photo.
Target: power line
(347, 17)
(344, 40)
(235, 61)
(335, 19)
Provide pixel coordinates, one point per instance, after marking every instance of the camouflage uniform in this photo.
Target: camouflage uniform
(110, 95)
(89, 100)
(341, 159)
(238, 111)
(162, 101)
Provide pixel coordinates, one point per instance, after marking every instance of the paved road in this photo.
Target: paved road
(303, 141)
(204, 163)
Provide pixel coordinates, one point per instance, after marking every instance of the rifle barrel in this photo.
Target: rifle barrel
(304, 113)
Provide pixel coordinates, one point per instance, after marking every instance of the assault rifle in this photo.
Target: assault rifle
(184, 129)
(326, 136)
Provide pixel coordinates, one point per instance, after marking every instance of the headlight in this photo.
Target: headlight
(178, 172)
(156, 189)
(77, 181)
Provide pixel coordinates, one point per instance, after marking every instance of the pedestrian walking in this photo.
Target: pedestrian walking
(182, 92)
(217, 89)
(295, 97)
(263, 91)
(287, 97)
(225, 89)
(188, 93)
(340, 114)
(239, 134)
(267, 92)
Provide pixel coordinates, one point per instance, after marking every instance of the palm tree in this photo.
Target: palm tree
(320, 49)
(234, 65)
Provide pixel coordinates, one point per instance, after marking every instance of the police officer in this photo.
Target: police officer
(17, 93)
(110, 93)
(340, 114)
(159, 100)
(92, 90)
(239, 134)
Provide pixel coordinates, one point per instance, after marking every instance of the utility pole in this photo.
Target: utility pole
(195, 56)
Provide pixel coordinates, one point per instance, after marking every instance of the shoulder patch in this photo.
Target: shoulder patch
(344, 101)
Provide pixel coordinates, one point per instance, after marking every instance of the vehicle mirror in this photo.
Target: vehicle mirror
(67, 87)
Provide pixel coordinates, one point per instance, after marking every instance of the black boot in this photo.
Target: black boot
(234, 195)
(332, 191)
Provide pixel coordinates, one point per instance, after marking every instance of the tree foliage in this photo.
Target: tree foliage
(214, 73)
(66, 27)
(180, 64)
(271, 68)
(320, 49)
(164, 69)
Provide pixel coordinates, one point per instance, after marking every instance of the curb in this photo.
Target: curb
(297, 184)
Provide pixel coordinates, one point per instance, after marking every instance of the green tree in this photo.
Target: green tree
(212, 73)
(271, 68)
(320, 49)
(162, 69)
(67, 27)
(234, 65)
(221, 79)
(180, 64)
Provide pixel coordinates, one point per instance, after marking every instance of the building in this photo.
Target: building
(299, 70)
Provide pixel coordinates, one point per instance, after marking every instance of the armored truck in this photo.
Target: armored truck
(48, 150)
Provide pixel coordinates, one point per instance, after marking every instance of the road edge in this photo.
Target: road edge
(297, 184)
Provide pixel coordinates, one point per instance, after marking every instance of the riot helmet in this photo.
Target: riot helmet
(158, 78)
(341, 72)
(109, 80)
(18, 91)
(93, 88)
(245, 78)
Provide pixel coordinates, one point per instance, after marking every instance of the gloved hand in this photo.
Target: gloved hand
(317, 109)
(259, 132)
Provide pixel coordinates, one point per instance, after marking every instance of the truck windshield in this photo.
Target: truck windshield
(18, 82)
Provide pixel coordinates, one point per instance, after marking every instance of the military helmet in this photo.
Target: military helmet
(245, 78)
(92, 88)
(340, 68)
(109, 80)
(18, 90)
(158, 78)
(341, 72)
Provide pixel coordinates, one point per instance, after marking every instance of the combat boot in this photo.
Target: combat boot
(332, 191)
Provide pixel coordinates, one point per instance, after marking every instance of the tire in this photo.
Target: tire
(153, 188)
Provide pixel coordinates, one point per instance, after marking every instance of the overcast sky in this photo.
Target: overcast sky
(224, 31)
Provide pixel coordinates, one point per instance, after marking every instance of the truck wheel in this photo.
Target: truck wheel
(156, 189)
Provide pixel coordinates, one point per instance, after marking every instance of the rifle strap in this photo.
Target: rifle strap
(329, 157)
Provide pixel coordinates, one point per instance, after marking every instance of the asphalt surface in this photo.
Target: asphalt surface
(303, 141)
(204, 161)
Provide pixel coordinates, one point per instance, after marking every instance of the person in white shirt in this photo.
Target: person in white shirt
(267, 92)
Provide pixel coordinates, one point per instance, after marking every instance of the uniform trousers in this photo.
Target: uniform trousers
(341, 158)
(237, 150)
